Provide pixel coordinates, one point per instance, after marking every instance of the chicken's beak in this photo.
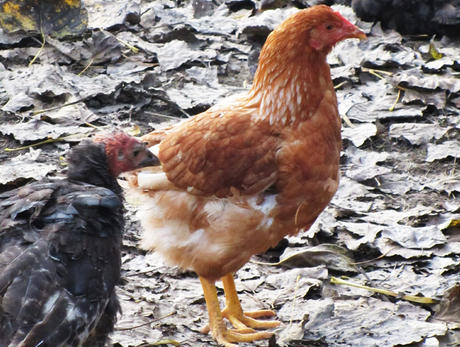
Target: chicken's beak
(359, 34)
(149, 160)
(355, 33)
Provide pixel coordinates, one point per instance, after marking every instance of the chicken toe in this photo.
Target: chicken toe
(234, 313)
(217, 326)
(228, 336)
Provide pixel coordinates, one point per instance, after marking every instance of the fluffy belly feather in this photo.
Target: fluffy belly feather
(210, 236)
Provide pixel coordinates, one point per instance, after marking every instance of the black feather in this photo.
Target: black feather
(441, 17)
(60, 244)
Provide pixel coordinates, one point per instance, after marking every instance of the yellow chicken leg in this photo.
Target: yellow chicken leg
(234, 313)
(217, 325)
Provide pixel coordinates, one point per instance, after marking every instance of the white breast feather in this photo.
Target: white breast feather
(150, 180)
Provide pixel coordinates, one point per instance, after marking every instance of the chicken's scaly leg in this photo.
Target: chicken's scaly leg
(234, 313)
(217, 326)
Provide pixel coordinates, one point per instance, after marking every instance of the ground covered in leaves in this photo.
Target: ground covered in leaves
(393, 224)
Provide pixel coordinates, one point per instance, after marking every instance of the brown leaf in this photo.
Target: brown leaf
(57, 18)
(449, 309)
(334, 257)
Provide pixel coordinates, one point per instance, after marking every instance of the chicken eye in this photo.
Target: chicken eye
(137, 150)
(329, 27)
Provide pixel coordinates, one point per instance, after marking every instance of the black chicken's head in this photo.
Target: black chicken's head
(125, 152)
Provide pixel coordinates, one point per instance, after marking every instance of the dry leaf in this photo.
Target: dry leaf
(56, 18)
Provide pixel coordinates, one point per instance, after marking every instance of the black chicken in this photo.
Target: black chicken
(441, 17)
(60, 244)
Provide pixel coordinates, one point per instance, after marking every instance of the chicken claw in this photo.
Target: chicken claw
(227, 336)
(242, 323)
(234, 313)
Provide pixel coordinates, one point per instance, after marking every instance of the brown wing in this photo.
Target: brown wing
(216, 152)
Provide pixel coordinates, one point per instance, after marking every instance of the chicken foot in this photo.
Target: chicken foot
(219, 331)
(234, 313)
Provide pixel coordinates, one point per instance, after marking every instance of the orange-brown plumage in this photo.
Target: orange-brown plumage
(249, 171)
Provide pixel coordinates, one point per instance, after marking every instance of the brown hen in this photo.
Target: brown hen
(239, 177)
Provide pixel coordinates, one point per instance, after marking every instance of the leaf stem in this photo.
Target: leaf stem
(39, 143)
(418, 299)
(91, 61)
(32, 145)
(392, 107)
(377, 73)
(40, 49)
(57, 107)
(131, 47)
(147, 323)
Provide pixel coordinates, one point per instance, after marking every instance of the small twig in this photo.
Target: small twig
(297, 280)
(169, 102)
(38, 143)
(417, 299)
(138, 273)
(372, 260)
(299, 208)
(377, 73)
(39, 50)
(94, 126)
(163, 342)
(452, 172)
(32, 145)
(162, 115)
(58, 107)
(150, 322)
(348, 121)
(131, 47)
(91, 61)
(340, 84)
(392, 108)
(263, 263)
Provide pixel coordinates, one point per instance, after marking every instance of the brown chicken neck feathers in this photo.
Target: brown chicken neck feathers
(292, 69)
